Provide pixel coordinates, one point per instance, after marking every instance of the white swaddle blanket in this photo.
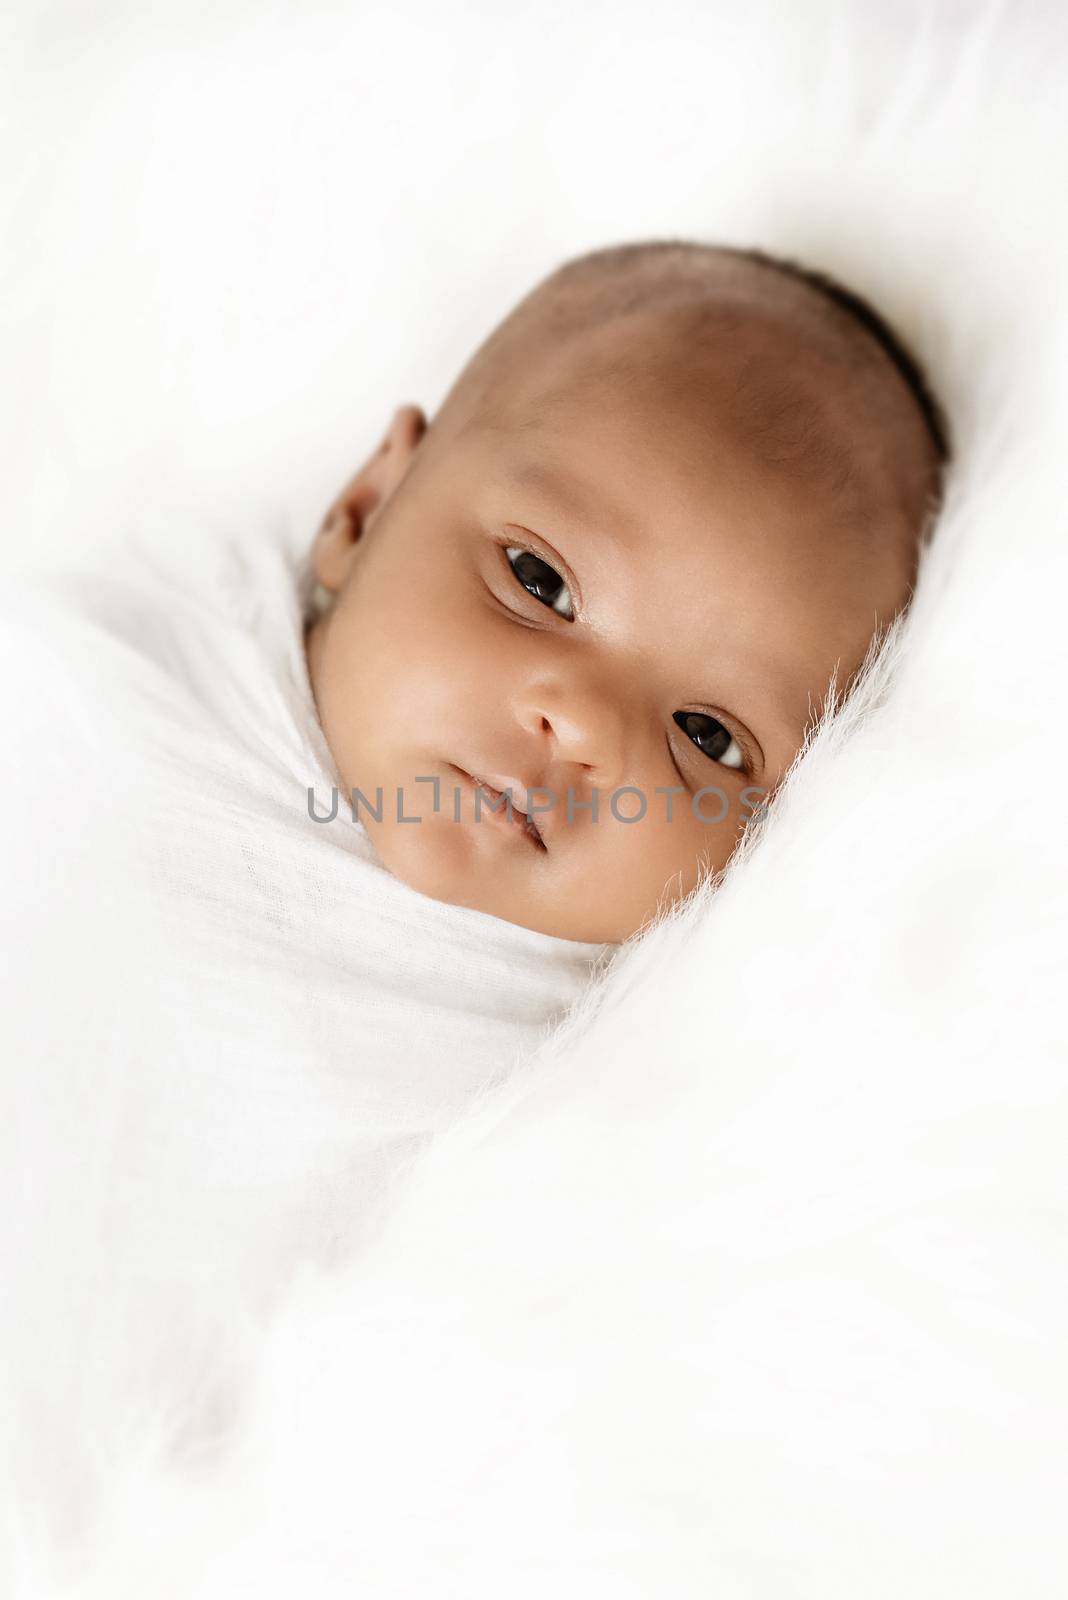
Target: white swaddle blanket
(224, 1024)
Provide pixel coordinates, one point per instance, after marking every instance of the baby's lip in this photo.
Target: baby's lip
(520, 792)
(520, 795)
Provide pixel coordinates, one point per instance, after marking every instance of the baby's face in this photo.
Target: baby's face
(609, 583)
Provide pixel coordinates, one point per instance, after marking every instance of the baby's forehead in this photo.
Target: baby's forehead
(811, 404)
(762, 382)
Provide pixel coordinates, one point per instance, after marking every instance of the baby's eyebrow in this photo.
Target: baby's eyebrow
(571, 491)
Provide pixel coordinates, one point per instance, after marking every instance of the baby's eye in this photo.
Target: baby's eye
(710, 737)
(540, 580)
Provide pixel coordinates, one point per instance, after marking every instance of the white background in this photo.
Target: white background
(236, 235)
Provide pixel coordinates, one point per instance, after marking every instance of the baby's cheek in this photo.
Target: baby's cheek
(677, 837)
(636, 872)
(451, 646)
(709, 824)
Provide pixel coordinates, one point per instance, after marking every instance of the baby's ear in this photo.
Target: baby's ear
(359, 502)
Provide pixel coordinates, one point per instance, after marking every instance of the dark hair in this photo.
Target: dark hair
(618, 258)
(880, 330)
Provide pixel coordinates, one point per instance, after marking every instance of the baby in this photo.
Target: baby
(581, 622)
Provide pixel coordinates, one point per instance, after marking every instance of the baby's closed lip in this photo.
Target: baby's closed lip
(495, 786)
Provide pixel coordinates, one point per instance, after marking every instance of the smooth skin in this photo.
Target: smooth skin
(726, 521)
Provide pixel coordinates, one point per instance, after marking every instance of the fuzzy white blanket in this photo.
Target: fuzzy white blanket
(751, 1284)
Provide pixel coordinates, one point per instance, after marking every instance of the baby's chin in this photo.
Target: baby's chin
(439, 859)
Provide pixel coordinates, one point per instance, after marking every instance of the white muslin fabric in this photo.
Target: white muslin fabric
(225, 1025)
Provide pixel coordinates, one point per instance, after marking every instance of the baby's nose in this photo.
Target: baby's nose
(585, 731)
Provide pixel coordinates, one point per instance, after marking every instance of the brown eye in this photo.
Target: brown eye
(540, 580)
(710, 737)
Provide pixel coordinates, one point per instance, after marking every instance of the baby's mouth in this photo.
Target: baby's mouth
(529, 823)
(520, 818)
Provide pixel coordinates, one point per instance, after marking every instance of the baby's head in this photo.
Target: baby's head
(677, 490)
